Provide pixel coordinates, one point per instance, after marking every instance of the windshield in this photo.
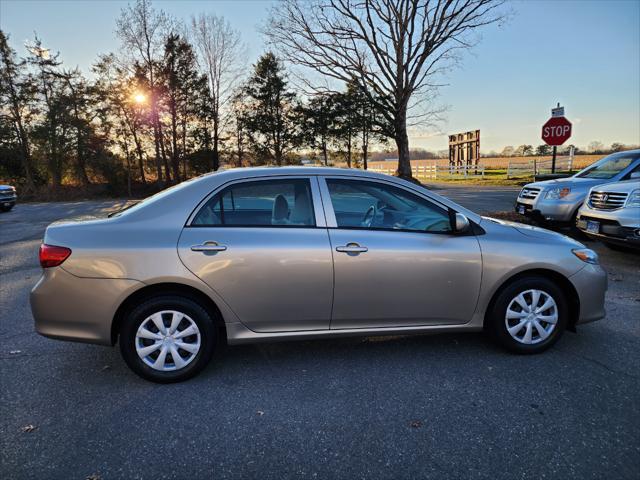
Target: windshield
(608, 167)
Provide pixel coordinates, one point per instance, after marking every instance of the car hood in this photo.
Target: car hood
(573, 182)
(6, 187)
(535, 232)
(623, 187)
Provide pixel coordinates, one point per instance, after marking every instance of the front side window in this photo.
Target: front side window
(373, 205)
(263, 203)
(608, 167)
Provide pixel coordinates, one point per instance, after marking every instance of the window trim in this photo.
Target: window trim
(316, 203)
(332, 222)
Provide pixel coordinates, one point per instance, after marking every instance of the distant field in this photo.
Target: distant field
(579, 162)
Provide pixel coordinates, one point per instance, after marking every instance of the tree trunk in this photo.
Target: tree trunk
(402, 142)
(163, 153)
(216, 141)
(365, 149)
(128, 157)
(349, 149)
(140, 158)
(239, 141)
(184, 149)
(26, 158)
(156, 141)
(81, 171)
(325, 154)
(175, 159)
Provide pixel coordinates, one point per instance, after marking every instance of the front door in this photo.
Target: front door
(258, 244)
(396, 261)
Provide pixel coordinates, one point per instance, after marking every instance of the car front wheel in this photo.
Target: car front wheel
(167, 339)
(529, 315)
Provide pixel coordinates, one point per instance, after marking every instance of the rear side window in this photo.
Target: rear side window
(264, 203)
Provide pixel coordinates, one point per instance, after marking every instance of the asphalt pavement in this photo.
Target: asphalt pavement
(442, 406)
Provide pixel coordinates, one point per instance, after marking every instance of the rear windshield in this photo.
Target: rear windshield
(132, 207)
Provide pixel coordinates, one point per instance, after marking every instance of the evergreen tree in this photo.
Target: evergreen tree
(272, 120)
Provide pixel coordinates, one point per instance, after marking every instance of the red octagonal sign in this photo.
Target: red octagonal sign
(556, 131)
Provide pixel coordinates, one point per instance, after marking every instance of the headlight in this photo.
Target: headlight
(557, 193)
(586, 255)
(634, 199)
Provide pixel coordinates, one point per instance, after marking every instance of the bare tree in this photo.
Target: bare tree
(221, 54)
(142, 31)
(393, 49)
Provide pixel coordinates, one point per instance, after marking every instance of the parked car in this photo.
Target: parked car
(612, 213)
(8, 197)
(266, 254)
(557, 201)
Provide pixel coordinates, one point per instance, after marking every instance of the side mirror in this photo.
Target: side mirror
(634, 175)
(461, 223)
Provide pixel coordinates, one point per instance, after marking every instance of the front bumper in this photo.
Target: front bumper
(591, 285)
(67, 307)
(8, 200)
(620, 226)
(547, 210)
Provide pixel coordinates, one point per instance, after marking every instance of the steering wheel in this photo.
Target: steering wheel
(369, 215)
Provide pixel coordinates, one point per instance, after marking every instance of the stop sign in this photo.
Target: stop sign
(556, 131)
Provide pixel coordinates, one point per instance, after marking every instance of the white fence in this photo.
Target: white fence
(434, 171)
(535, 167)
(518, 168)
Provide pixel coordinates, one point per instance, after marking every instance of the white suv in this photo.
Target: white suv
(612, 213)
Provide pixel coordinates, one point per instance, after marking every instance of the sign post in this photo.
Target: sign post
(556, 131)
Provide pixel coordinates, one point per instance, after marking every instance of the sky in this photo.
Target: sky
(584, 54)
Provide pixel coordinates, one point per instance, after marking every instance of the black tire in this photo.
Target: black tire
(6, 209)
(142, 312)
(496, 318)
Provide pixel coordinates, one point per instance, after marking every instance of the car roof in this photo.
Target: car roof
(246, 172)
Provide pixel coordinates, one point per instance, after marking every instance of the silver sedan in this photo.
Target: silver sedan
(265, 254)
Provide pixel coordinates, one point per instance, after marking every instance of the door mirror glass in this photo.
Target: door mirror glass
(462, 223)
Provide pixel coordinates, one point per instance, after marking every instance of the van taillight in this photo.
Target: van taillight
(52, 255)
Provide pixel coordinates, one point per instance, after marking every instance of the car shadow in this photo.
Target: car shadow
(281, 361)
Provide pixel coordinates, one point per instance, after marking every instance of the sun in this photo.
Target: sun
(139, 98)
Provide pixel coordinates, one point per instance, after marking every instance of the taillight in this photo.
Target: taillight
(52, 255)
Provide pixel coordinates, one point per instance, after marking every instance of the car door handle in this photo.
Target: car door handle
(351, 248)
(208, 247)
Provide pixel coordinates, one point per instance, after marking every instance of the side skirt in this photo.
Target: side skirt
(238, 334)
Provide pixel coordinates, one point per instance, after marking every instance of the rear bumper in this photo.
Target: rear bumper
(591, 285)
(67, 307)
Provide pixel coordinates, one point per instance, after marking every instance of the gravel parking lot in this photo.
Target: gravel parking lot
(444, 406)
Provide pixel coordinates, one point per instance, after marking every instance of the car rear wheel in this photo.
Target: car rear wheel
(529, 315)
(167, 339)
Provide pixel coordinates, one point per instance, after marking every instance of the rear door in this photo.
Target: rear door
(396, 261)
(262, 245)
